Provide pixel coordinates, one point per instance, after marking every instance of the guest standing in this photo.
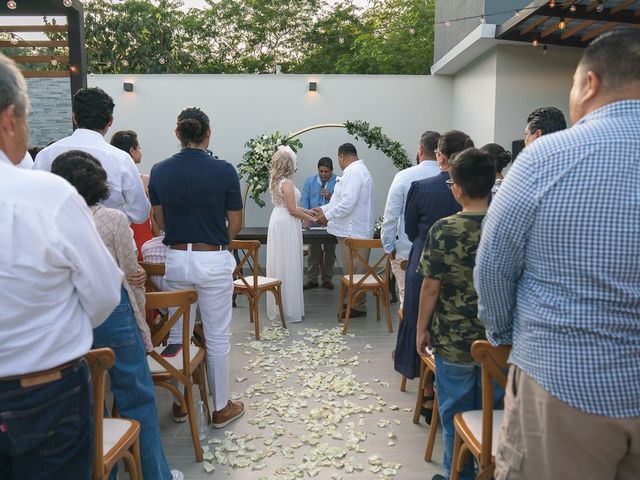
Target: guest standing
(543, 121)
(92, 112)
(558, 277)
(428, 200)
(125, 331)
(317, 192)
(349, 213)
(501, 158)
(394, 239)
(194, 196)
(57, 281)
(284, 236)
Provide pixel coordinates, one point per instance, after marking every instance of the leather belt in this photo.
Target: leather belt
(45, 376)
(198, 247)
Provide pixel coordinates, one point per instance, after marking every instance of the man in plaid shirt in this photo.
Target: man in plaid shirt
(558, 276)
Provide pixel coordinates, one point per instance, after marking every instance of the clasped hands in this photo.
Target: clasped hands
(320, 218)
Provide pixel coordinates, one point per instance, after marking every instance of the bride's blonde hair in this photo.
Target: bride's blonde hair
(283, 164)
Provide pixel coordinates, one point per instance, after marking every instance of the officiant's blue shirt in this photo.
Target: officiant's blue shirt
(311, 196)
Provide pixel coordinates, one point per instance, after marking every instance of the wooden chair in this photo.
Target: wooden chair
(115, 438)
(476, 432)
(188, 367)
(427, 372)
(254, 285)
(153, 270)
(375, 280)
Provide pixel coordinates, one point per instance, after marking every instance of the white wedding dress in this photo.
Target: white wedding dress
(284, 258)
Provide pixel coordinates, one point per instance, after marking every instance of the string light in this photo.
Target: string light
(535, 42)
(162, 61)
(447, 23)
(573, 8)
(11, 5)
(412, 31)
(67, 3)
(54, 62)
(125, 63)
(341, 40)
(483, 20)
(600, 6)
(552, 4)
(14, 39)
(517, 14)
(562, 24)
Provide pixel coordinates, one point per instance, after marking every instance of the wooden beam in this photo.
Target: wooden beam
(45, 73)
(569, 32)
(34, 28)
(592, 6)
(594, 33)
(619, 15)
(621, 6)
(39, 58)
(534, 25)
(553, 28)
(34, 43)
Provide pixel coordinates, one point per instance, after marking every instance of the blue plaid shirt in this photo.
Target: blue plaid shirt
(558, 267)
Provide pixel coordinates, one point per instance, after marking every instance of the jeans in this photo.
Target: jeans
(210, 273)
(459, 389)
(46, 431)
(132, 385)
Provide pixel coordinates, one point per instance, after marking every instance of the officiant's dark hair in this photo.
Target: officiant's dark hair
(193, 124)
(347, 149)
(325, 162)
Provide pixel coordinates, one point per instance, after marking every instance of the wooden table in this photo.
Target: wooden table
(308, 236)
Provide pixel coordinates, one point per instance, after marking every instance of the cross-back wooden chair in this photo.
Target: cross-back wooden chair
(188, 367)
(427, 373)
(375, 280)
(153, 270)
(254, 285)
(476, 432)
(115, 438)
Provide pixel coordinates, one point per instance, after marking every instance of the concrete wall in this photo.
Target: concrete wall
(50, 115)
(243, 106)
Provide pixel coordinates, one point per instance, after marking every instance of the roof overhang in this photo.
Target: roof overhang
(479, 41)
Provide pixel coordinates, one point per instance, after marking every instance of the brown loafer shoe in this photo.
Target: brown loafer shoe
(354, 313)
(228, 414)
(327, 284)
(309, 285)
(178, 414)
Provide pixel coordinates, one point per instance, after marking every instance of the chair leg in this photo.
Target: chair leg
(202, 386)
(280, 306)
(457, 447)
(403, 384)
(433, 430)
(388, 312)
(420, 394)
(137, 466)
(377, 307)
(342, 295)
(192, 415)
(347, 312)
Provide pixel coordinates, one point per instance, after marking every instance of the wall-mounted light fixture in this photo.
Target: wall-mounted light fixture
(313, 86)
(127, 86)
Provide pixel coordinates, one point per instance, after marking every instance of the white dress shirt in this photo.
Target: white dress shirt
(26, 162)
(393, 235)
(57, 279)
(125, 187)
(350, 211)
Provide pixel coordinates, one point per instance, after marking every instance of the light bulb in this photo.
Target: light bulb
(14, 40)
(412, 31)
(54, 62)
(572, 8)
(34, 51)
(552, 3)
(67, 3)
(535, 42)
(11, 5)
(562, 24)
(341, 40)
(447, 23)
(162, 61)
(600, 7)
(482, 19)
(517, 14)
(125, 63)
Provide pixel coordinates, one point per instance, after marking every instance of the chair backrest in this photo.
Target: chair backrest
(152, 270)
(493, 361)
(249, 249)
(181, 301)
(99, 360)
(379, 271)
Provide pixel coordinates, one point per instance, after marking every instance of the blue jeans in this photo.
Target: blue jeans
(459, 389)
(46, 431)
(132, 385)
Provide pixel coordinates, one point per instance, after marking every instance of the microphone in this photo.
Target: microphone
(324, 182)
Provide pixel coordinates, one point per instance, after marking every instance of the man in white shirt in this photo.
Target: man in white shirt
(349, 213)
(394, 239)
(93, 115)
(57, 282)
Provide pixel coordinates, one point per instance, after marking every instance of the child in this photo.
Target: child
(447, 320)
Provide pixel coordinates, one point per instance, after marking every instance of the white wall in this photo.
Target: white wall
(243, 106)
(474, 97)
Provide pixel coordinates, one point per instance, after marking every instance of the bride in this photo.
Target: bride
(284, 236)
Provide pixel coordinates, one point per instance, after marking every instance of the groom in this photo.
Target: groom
(349, 213)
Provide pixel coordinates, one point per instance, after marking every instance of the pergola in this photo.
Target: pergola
(568, 23)
(73, 65)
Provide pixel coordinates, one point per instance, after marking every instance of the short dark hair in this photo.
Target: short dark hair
(347, 149)
(84, 172)
(500, 156)
(547, 120)
(429, 141)
(92, 108)
(125, 140)
(325, 162)
(474, 171)
(614, 57)
(452, 142)
(193, 124)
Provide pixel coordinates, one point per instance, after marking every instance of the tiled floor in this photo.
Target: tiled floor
(372, 343)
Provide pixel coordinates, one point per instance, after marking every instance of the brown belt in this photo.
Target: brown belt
(40, 378)
(198, 247)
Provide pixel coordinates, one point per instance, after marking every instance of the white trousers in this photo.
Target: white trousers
(211, 275)
(399, 274)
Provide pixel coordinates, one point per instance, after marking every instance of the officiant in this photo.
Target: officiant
(317, 192)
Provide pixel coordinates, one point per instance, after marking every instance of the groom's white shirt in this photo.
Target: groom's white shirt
(350, 211)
